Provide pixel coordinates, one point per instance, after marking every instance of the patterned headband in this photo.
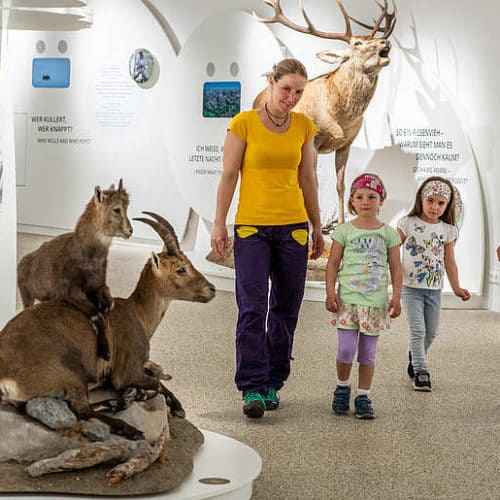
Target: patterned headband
(438, 188)
(368, 181)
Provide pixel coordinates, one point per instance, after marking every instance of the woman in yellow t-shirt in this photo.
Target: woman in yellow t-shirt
(272, 149)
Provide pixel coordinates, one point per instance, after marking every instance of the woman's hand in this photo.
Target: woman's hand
(318, 243)
(220, 240)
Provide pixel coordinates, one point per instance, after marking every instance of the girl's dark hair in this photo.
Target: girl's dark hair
(287, 67)
(449, 215)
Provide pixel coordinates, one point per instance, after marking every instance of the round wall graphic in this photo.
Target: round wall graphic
(143, 68)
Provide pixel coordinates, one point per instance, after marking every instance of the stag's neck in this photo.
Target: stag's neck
(150, 303)
(89, 229)
(355, 89)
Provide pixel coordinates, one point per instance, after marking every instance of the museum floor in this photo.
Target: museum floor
(439, 445)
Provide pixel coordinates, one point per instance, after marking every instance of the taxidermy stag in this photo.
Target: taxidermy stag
(72, 266)
(337, 100)
(49, 349)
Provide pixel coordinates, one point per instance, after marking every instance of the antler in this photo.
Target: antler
(390, 21)
(164, 230)
(279, 17)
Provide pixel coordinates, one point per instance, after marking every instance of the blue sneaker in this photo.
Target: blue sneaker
(341, 396)
(254, 406)
(363, 407)
(272, 399)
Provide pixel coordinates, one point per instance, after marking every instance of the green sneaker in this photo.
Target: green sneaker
(254, 406)
(272, 399)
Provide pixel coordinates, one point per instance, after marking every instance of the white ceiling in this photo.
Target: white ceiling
(45, 15)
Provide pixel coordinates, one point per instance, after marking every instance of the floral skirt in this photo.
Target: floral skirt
(368, 320)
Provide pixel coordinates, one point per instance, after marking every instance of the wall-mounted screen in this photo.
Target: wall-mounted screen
(51, 72)
(221, 99)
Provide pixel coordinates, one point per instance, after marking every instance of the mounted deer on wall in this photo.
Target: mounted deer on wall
(337, 100)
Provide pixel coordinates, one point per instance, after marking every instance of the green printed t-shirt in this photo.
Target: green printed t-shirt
(363, 276)
(270, 194)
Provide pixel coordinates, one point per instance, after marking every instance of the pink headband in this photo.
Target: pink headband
(438, 188)
(368, 181)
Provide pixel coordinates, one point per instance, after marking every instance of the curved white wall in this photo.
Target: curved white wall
(454, 67)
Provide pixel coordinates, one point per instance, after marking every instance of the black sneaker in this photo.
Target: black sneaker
(272, 399)
(341, 396)
(422, 382)
(410, 370)
(363, 407)
(254, 406)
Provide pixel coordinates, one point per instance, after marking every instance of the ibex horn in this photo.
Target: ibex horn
(120, 185)
(164, 223)
(165, 231)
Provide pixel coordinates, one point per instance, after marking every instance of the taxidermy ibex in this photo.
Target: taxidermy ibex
(49, 349)
(72, 266)
(337, 100)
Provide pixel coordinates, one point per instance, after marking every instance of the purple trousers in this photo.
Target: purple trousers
(267, 319)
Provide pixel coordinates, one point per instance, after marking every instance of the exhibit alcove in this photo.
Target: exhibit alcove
(102, 127)
(216, 76)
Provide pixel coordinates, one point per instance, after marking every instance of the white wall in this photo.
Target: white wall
(8, 195)
(456, 52)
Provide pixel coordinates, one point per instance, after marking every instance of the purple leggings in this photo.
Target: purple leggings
(349, 341)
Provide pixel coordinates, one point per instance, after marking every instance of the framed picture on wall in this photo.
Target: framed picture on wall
(51, 72)
(221, 99)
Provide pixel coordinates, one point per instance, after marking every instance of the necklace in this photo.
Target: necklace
(270, 116)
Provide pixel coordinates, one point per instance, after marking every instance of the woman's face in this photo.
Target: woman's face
(286, 92)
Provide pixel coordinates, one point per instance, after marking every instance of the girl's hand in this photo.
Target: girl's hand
(394, 308)
(220, 240)
(332, 302)
(463, 293)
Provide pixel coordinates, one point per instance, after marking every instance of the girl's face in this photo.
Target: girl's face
(366, 202)
(286, 92)
(433, 208)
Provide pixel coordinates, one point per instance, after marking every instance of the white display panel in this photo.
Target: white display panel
(103, 127)
(229, 47)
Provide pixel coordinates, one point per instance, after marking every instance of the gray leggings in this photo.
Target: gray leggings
(352, 340)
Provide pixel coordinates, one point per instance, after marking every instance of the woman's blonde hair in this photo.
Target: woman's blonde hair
(286, 67)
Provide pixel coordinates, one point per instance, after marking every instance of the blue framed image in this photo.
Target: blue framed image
(221, 99)
(51, 72)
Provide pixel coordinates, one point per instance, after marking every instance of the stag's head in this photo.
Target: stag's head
(111, 211)
(175, 275)
(368, 52)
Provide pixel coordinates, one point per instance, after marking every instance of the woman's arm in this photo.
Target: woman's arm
(452, 271)
(309, 186)
(332, 270)
(394, 258)
(234, 149)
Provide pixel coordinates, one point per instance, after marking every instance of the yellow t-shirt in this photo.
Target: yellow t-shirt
(270, 194)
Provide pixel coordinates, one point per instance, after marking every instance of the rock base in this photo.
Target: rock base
(160, 477)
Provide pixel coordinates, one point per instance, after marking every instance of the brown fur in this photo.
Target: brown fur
(336, 101)
(49, 349)
(72, 266)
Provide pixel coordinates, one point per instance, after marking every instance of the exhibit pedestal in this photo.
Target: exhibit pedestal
(223, 279)
(224, 469)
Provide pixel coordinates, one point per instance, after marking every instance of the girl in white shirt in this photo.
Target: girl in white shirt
(428, 234)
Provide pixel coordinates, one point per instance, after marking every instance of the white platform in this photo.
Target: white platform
(223, 279)
(219, 458)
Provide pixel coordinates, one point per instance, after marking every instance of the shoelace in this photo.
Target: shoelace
(253, 396)
(272, 395)
(363, 404)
